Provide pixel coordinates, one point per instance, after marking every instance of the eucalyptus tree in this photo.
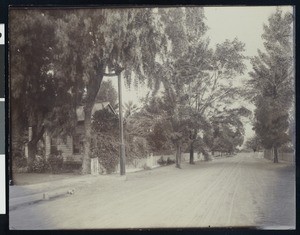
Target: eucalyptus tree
(272, 82)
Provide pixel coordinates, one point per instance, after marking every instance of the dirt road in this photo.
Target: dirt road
(235, 191)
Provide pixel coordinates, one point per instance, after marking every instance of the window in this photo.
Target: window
(77, 144)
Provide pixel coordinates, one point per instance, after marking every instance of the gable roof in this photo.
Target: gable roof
(97, 107)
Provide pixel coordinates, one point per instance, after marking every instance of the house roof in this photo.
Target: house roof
(97, 107)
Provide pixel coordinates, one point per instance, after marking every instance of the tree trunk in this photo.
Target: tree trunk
(32, 150)
(86, 160)
(92, 91)
(192, 153)
(275, 155)
(194, 137)
(178, 156)
(36, 136)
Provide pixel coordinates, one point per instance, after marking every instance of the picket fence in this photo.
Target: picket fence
(285, 157)
(148, 162)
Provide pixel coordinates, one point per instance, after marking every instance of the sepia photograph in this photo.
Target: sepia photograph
(152, 117)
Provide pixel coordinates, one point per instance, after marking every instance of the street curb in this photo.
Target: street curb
(20, 201)
(14, 203)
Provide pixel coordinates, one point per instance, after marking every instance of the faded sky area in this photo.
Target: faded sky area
(245, 23)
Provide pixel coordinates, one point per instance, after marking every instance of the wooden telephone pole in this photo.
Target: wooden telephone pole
(122, 145)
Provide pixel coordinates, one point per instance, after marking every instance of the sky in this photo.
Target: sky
(245, 23)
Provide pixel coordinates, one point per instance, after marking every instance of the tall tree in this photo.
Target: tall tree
(184, 27)
(272, 82)
(39, 95)
(211, 76)
(219, 87)
(119, 40)
(170, 108)
(79, 46)
(193, 75)
(192, 71)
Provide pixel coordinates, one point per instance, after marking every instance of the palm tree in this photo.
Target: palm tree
(130, 109)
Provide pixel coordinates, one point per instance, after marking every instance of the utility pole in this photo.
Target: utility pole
(122, 146)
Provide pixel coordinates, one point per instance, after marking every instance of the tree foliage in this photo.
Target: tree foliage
(65, 54)
(107, 93)
(118, 39)
(228, 129)
(253, 143)
(271, 124)
(194, 77)
(105, 140)
(60, 58)
(39, 96)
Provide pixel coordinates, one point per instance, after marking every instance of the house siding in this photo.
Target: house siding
(67, 149)
(66, 146)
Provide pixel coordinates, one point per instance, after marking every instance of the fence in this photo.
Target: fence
(285, 157)
(258, 154)
(151, 161)
(143, 163)
(95, 166)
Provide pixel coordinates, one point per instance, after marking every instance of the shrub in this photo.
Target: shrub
(40, 165)
(71, 167)
(19, 160)
(170, 161)
(136, 147)
(55, 162)
(106, 148)
(161, 161)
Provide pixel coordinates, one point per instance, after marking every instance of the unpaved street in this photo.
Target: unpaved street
(237, 191)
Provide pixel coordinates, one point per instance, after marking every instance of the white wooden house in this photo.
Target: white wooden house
(72, 146)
